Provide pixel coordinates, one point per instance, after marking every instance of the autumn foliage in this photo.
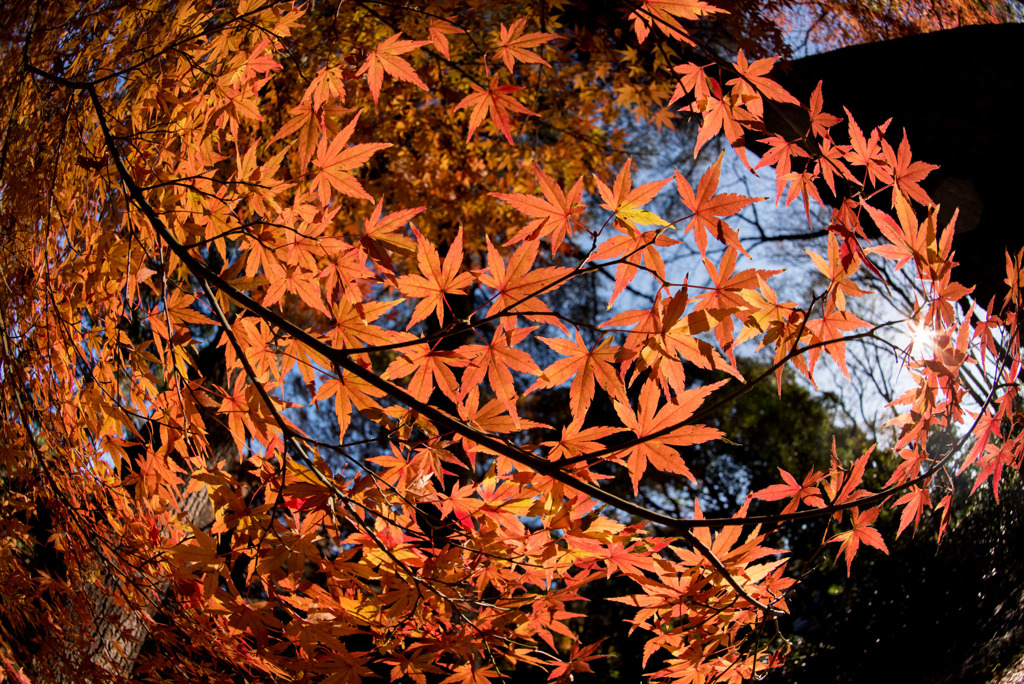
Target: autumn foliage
(228, 225)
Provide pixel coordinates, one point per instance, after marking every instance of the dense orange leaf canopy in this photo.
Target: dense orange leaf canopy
(282, 281)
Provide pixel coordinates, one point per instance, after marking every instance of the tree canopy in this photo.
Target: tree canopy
(287, 286)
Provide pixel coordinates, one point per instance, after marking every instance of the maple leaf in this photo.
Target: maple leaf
(496, 102)
(820, 121)
(381, 235)
(915, 501)
(625, 201)
(913, 239)
(765, 312)
(513, 44)
(838, 273)
(296, 281)
(829, 328)
(496, 361)
(667, 423)
(803, 186)
(867, 152)
(577, 662)
(780, 155)
(438, 32)
(576, 441)
(907, 174)
(663, 334)
(635, 249)
(862, 532)
(350, 391)
(435, 280)
(334, 161)
(490, 417)
(553, 215)
(806, 492)
(752, 74)
(314, 116)
(994, 460)
(829, 162)
(471, 674)
(848, 491)
(692, 79)
(517, 284)
(584, 366)
(663, 15)
(707, 208)
(725, 295)
(384, 59)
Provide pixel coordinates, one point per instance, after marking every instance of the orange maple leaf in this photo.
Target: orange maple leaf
(915, 501)
(625, 200)
(829, 328)
(514, 43)
(862, 532)
(496, 361)
(496, 101)
(663, 15)
(334, 161)
(692, 79)
(707, 208)
(553, 214)
(438, 32)
(838, 273)
(780, 155)
(436, 280)
(381, 235)
(659, 451)
(576, 441)
(428, 367)
(722, 113)
(584, 366)
(470, 674)
(913, 239)
(820, 121)
(752, 76)
(384, 59)
(907, 174)
(636, 249)
(518, 283)
(867, 152)
(806, 492)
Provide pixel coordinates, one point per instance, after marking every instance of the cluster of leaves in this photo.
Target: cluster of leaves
(195, 176)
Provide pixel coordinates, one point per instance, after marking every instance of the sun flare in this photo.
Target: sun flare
(922, 339)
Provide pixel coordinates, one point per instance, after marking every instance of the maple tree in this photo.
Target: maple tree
(225, 221)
